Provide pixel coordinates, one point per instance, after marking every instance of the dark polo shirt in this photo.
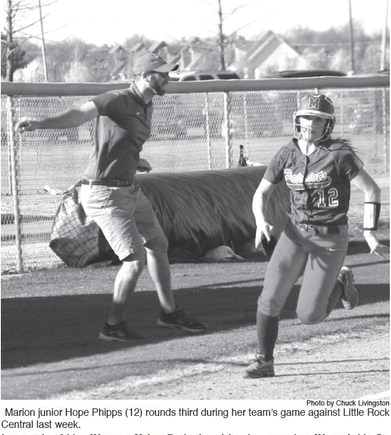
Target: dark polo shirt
(122, 127)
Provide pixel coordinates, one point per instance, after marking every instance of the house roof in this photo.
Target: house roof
(259, 43)
(137, 47)
(267, 44)
(156, 47)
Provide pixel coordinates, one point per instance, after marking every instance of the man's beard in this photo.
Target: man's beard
(160, 90)
(157, 89)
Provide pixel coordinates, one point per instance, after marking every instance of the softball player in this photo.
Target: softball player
(318, 171)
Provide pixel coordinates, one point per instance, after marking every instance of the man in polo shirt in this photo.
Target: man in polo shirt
(111, 196)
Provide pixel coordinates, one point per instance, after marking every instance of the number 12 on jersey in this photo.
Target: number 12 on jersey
(329, 198)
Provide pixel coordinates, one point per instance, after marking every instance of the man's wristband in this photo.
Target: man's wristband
(371, 215)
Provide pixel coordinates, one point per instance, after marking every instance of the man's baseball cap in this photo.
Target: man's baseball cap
(152, 62)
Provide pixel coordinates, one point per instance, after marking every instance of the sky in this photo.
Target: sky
(112, 22)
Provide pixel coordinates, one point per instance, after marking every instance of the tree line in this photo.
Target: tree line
(74, 60)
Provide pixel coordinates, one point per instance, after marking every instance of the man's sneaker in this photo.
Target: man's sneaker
(349, 294)
(119, 332)
(179, 319)
(260, 368)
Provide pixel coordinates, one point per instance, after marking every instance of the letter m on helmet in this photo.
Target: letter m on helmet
(313, 102)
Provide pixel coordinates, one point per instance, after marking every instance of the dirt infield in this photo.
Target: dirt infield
(50, 350)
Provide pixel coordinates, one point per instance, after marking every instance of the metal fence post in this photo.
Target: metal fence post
(245, 119)
(374, 122)
(342, 113)
(14, 162)
(9, 153)
(227, 130)
(385, 135)
(207, 128)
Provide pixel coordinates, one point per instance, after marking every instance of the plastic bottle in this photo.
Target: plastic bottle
(242, 160)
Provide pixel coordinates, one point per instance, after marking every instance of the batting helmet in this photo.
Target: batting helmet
(315, 104)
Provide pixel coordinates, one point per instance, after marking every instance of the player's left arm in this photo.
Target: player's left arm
(372, 199)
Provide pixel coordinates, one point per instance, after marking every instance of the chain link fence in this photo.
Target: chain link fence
(191, 131)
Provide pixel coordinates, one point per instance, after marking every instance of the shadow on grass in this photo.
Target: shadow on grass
(47, 329)
(361, 247)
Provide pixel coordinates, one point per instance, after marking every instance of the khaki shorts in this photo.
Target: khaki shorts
(124, 214)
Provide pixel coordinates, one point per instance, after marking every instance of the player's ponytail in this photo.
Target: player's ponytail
(340, 144)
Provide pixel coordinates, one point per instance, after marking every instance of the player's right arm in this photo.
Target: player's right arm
(259, 206)
(70, 118)
(364, 182)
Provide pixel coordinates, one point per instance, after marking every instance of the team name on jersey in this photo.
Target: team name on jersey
(312, 180)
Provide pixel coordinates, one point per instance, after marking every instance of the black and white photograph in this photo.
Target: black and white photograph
(195, 213)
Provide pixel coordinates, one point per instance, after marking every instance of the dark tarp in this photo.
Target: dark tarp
(198, 211)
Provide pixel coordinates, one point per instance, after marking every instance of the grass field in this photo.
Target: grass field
(51, 320)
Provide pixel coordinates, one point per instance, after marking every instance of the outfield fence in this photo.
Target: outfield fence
(196, 126)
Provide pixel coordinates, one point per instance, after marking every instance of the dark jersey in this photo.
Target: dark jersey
(319, 184)
(122, 127)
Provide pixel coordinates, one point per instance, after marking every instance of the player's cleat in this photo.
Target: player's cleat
(260, 368)
(180, 320)
(349, 294)
(119, 332)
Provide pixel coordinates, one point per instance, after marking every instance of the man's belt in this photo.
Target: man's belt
(320, 229)
(109, 183)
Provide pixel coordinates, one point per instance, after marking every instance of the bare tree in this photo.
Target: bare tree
(11, 50)
(14, 34)
(222, 37)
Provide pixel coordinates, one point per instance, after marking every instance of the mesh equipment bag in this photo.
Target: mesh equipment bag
(76, 239)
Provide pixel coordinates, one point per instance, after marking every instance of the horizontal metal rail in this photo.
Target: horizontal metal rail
(80, 89)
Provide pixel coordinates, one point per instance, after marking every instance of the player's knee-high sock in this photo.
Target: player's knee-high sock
(267, 330)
